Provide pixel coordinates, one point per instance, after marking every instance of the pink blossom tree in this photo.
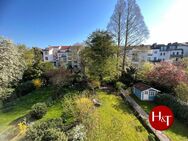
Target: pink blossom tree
(167, 75)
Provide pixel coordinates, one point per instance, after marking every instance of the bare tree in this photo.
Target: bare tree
(136, 30)
(116, 26)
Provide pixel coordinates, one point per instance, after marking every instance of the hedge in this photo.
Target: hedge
(179, 108)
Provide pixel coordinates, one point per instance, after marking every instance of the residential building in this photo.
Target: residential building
(157, 52)
(62, 55)
(144, 92)
(138, 54)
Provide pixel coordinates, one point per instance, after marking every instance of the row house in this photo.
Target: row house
(62, 55)
(157, 52)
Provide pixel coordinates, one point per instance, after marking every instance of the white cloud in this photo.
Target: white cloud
(174, 25)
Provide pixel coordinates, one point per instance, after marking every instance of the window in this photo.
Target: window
(146, 92)
(161, 53)
(46, 52)
(46, 58)
(164, 53)
(152, 93)
(177, 53)
(173, 53)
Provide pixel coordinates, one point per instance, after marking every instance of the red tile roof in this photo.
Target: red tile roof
(142, 86)
(64, 47)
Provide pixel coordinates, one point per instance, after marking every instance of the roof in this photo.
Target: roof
(64, 47)
(143, 87)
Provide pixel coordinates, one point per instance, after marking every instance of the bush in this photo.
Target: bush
(179, 108)
(38, 110)
(151, 137)
(51, 130)
(182, 91)
(37, 83)
(25, 88)
(69, 113)
(119, 86)
(84, 107)
(54, 135)
(95, 84)
(78, 133)
(128, 77)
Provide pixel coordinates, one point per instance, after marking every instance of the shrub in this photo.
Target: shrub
(179, 108)
(37, 83)
(128, 76)
(38, 110)
(78, 133)
(119, 86)
(95, 84)
(50, 130)
(54, 135)
(182, 91)
(69, 113)
(25, 88)
(151, 137)
(22, 127)
(84, 106)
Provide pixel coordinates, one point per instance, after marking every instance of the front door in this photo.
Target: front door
(146, 96)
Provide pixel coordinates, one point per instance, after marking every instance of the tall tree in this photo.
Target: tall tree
(12, 66)
(136, 30)
(117, 23)
(100, 54)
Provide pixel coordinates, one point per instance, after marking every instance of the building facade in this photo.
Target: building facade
(157, 52)
(62, 55)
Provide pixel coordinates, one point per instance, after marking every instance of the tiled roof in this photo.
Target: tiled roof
(65, 47)
(142, 86)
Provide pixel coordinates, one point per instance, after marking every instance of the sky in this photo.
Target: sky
(41, 23)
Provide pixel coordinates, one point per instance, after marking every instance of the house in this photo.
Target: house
(138, 54)
(144, 92)
(161, 52)
(62, 55)
(171, 52)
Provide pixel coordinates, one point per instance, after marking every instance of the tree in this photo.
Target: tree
(182, 91)
(167, 75)
(144, 70)
(136, 30)
(117, 24)
(27, 54)
(100, 54)
(12, 67)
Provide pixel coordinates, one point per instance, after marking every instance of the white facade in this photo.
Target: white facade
(62, 55)
(157, 53)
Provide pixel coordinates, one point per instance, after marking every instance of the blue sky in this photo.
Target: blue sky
(65, 22)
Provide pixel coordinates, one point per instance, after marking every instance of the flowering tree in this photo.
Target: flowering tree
(11, 67)
(167, 74)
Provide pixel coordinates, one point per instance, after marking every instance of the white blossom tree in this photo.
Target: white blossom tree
(12, 66)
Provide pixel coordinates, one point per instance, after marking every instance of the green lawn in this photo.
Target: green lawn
(115, 121)
(178, 131)
(54, 111)
(22, 106)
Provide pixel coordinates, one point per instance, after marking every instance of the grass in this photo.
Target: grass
(54, 111)
(115, 121)
(22, 106)
(177, 132)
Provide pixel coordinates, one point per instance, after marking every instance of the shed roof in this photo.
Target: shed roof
(142, 86)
